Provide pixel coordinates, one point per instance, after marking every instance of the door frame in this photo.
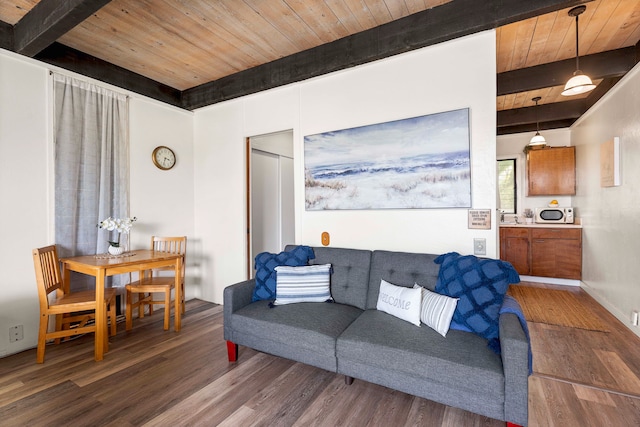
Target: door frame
(248, 178)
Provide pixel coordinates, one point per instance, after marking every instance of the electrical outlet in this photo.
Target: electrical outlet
(479, 246)
(634, 318)
(16, 333)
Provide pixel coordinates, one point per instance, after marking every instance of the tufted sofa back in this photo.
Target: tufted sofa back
(356, 273)
(350, 278)
(402, 269)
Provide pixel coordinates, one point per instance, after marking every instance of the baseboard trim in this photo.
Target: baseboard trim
(622, 317)
(550, 280)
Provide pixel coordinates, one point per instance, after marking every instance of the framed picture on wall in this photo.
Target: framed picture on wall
(415, 163)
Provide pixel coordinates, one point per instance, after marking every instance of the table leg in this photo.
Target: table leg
(178, 295)
(66, 278)
(101, 317)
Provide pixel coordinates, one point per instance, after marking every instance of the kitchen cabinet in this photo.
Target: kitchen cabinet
(540, 251)
(556, 252)
(514, 247)
(551, 171)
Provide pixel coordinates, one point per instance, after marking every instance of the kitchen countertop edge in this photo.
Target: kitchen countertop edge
(545, 225)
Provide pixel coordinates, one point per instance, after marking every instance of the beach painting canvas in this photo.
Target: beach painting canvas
(415, 163)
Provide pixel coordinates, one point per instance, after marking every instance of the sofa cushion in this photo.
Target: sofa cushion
(265, 264)
(309, 283)
(311, 325)
(400, 268)
(460, 361)
(436, 310)
(350, 277)
(401, 302)
(481, 285)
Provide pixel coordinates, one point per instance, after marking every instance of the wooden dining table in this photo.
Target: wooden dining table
(102, 266)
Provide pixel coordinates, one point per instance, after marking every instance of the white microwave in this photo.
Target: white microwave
(554, 215)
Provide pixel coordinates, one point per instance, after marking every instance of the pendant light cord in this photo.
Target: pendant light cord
(577, 47)
(536, 99)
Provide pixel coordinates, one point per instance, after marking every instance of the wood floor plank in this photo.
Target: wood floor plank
(294, 390)
(625, 378)
(425, 413)
(153, 377)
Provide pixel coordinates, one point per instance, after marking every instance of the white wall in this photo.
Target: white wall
(425, 81)
(24, 187)
(611, 216)
(512, 146)
(163, 201)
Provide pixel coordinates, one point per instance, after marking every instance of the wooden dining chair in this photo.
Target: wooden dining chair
(152, 282)
(73, 310)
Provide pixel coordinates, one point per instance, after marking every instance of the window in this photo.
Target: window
(507, 188)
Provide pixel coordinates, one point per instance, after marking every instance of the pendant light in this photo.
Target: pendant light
(579, 83)
(537, 138)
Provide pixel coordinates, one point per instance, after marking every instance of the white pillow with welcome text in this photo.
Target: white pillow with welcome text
(401, 302)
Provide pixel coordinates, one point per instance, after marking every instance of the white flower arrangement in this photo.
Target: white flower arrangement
(121, 225)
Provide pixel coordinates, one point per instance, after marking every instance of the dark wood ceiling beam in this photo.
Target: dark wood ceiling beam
(542, 113)
(613, 63)
(74, 60)
(6, 36)
(442, 23)
(603, 87)
(550, 116)
(48, 20)
(531, 127)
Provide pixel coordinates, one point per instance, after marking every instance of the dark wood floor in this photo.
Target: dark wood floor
(156, 378)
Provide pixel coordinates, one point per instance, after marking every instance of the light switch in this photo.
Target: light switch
(479, 246)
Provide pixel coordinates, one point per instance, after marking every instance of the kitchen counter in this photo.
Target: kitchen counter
(545, 225)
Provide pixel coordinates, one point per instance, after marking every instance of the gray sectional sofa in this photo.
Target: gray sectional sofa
(352, 338)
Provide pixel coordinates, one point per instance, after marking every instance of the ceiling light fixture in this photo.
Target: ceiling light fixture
(537, 138)
(579, 83)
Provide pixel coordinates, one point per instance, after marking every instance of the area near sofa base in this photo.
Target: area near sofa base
(232, 351)
(356, 279)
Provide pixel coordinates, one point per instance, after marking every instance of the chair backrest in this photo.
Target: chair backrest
(48, 277)
(173, 245)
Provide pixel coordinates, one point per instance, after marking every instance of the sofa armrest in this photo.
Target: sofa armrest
(234, 298)
(515, 361)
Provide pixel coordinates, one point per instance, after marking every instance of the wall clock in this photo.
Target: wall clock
(163, 157)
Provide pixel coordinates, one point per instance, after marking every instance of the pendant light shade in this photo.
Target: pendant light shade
(579, 83)
(537, 138)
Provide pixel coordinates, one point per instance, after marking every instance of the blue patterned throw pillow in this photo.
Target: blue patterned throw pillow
(265, 264)
(480, 285)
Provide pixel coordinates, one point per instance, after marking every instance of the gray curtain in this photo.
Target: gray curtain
(91, 164)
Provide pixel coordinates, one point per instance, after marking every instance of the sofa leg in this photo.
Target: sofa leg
(348, 380)
(232, 351)
(513, 425)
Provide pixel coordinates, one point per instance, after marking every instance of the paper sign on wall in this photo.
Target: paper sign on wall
(480, 218)
(610, 163)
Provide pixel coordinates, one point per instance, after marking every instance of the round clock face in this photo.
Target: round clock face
(164, 157)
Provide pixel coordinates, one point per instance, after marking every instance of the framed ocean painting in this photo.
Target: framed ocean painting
(415, 163)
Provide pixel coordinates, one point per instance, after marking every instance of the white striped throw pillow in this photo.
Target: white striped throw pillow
(436, 311)
(309, 283)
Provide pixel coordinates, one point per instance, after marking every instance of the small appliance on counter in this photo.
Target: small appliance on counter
(554, 215)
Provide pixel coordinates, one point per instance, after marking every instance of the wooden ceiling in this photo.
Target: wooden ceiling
(192, 53)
